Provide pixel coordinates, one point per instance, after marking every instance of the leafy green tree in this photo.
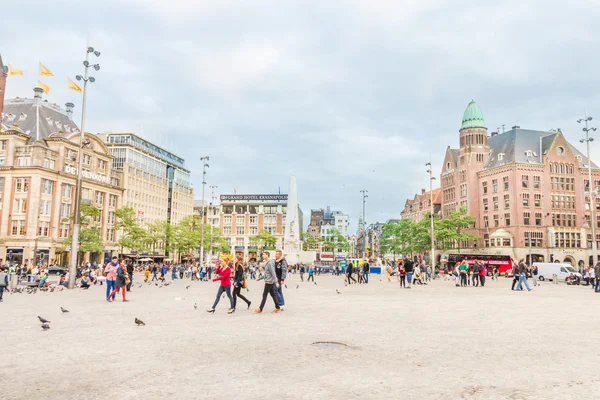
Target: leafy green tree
(219, 244)
(451, 229)
(310, 242)
(398, 237)
(90, 235)
(263, 240)
(134, 237)
(185, 236)
(158, 234)
(336, 241)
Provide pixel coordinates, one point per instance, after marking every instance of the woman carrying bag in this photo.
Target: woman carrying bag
(121, 282)
(239, 283)
(224, 275)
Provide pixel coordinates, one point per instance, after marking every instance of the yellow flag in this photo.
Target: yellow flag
(14, 71)
(43, 86)
(45, 71)
(73, 86)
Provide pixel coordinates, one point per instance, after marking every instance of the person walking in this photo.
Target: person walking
(476, 268)
(402, 275)
(349, 271)
(597, 275)
(3, 281)
(463, 270)
(523, 276)
(302, 270)
(130, 273)
(110, 271)
(181, 271)
(515, 274)
(224, 276)
(311, 274)
(482, 274)
(154, 273)
(281, 267)
(270, 283)
(121, 283)
(239, 282)
(409, 268)
(534, 273)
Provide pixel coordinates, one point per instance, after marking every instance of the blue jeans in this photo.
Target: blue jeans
(523, 279)
(409, 277)
(110, 286)
(226, 289)
(366, 277)
(279, 294)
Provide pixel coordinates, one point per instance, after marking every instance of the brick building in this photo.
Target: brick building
(521, 185)
(417, 208)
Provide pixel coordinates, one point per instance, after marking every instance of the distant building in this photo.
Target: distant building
(243, 216)
(323, 222)
(420, 205)
(157, 184)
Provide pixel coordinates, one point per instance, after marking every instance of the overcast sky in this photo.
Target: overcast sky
(344, 95)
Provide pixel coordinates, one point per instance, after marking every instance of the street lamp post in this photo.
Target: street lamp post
(431, 216)
(82, 143)
(591, 189)
(364, 222)
(205, 165)
(212, 203)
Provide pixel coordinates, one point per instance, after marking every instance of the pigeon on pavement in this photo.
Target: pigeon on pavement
(45, 327)
(188, 286)
(337, 291)
(195, 306)
(43, 320)
(297, 286)
(64, 310)
(139, 322)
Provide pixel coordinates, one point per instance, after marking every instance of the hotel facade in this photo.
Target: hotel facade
(527, 190)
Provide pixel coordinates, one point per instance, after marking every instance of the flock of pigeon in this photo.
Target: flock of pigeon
(35, 289)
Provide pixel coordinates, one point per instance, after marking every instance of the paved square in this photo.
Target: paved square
(430, 342)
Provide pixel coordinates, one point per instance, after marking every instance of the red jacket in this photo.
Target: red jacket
(224, 275)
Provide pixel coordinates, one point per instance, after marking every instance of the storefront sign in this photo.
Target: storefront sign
(253, 197)
(87, 174)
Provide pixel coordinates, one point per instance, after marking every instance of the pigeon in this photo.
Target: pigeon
(188, 286)
(156, 284)
(139, 322)
(285, 285)
(64, 310)
(337, 291)
(51, 290)
(195, 306)
(43, 320)
(45, 327)
(345, 284)
(297, 286)
(167, 283)
(315, 283)
(139, 285)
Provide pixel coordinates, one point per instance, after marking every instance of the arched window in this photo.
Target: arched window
(551, 168)
(562, 168)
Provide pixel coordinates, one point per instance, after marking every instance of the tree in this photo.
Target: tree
(264, 239)
(310, 242)
(450, 229)
(158, 234)
(398, 237)
(90, 235)
(335, 241)
(185, 236)
(219, 244)
(134, 237)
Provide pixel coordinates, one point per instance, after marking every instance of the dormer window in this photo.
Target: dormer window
(501, 156)
(560, 151)
(578, 157)
(448, 166)
(530, 153)
(22, 117)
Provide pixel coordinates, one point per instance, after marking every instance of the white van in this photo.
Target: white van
(547, 270)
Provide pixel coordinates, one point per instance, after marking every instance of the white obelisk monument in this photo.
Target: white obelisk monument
(291, 238)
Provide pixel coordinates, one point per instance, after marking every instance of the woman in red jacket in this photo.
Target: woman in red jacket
(224, 275)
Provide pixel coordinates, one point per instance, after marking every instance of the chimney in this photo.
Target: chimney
(494, 134)
(37, 93)
(516, 127)
(422, 191)
(69, 108)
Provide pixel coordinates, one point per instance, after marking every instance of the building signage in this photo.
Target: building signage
(140, 213)
(253, 197)
(87, 174)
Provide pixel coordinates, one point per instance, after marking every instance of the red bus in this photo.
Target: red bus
(502, 262)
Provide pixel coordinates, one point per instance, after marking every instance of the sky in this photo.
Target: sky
(345, 95)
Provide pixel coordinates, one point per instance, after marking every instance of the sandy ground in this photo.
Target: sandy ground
(430, 342)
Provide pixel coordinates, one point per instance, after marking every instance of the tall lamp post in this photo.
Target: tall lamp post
(431, 178)
(364, 198)
(591, 189)
(212, 204)
(202, 213)
(82, 143)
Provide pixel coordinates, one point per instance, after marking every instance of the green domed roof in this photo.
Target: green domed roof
(473, 117)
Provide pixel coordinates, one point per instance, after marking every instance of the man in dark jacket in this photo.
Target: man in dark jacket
(281, 267)
(349, 272)
(366, 269)
(3, 281)
(409, 269)
(597, 274)
(130, 273)
(476, 268)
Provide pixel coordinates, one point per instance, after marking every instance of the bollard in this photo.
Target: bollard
(555, 279)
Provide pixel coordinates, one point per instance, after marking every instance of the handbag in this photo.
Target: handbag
(244, 284)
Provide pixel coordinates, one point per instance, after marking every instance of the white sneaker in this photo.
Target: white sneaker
(282, 308)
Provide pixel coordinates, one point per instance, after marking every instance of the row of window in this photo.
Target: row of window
(507, 220)
(556, 168)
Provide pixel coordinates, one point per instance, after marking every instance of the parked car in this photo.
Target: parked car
(56, 270)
